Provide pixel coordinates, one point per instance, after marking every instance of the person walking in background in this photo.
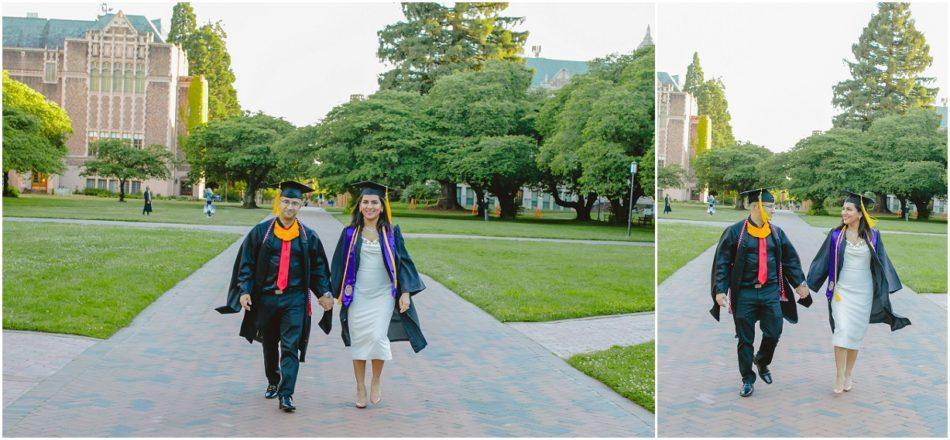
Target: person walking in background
(860, 279)
(710, 204)
(666, 204)
(147, 209)
(209, 202)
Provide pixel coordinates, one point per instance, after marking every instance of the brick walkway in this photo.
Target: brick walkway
(181, 370)
(900, 380)
(568, 337)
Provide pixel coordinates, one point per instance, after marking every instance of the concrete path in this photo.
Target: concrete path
(900, 380)
(550, 240)
(575, 336)
(180, 369)
(198, 227)
(31, 357)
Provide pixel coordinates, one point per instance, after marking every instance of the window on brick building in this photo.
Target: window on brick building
(127, 81)
(139, 78)
(90, 183)
(116, 77)
(106, 74)
(49, 72)
(94, 77)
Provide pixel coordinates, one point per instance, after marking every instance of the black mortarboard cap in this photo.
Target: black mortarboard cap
(856, 199)
(371, 188)
(293, 189)
(753, 195)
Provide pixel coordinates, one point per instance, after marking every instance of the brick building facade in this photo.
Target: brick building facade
(115, 77)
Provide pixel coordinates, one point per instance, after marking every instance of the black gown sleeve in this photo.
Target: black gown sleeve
(247, 267)
(336, 266)
(722, 260)
(409, 280)
(319, 268)
(791, 264)
(893, 281)
(818, 271)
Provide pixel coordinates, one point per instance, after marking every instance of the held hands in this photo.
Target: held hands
(802, 291)
(246, 302)
(721, 299)
(403, 302)
(326, 302)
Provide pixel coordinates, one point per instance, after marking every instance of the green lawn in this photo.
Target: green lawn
(466, 224)
(98, 208)
(628, 370)
(90, 280)
(921, 261)
(680, 243)
(884, 223)
(531, 281)
(697, 211)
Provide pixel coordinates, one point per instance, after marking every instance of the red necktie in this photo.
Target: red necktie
(763, 262)
(284, 267)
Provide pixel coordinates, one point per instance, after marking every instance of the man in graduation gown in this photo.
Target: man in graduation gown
(754, 269)
(280, 262)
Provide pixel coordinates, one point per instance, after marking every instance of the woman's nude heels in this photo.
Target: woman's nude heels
(361, 396)
(379, 394)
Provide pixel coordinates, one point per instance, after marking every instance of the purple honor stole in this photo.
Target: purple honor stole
(349, 269)
(833, 261)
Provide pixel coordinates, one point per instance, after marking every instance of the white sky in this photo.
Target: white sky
(779, 61)
(299, 60)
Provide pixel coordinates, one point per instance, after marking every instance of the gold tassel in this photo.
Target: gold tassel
(837, 297)
(389, 211)
(765, 216)
(867, 217)
(276, 203)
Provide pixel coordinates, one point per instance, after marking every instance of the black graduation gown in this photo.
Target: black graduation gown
(402, 326)
(729, 265)
(884, 277)
(250, 253)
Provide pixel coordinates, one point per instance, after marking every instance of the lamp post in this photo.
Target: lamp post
(633, 173)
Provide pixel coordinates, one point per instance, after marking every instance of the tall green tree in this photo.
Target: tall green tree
(502, 165)
(733, 168)
(118, 158)
(207, 55)
(595, 127)
(380, 139)
(889, 58)
(435, 40)
(822, 165)
(694, 81)
(712, 102)
(911, 150)
(34, 131)
(243, 148)
(465, 107)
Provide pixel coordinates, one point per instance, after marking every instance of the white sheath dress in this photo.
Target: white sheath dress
(372, 307)
(856, 289)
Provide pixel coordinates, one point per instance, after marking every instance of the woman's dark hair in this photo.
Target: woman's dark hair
(357, 219)
(864, 230)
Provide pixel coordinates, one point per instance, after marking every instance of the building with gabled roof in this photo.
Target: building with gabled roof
(116, 77)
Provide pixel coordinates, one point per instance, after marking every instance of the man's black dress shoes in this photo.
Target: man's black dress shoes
(287, 403)
(764, 373)
(746, 390)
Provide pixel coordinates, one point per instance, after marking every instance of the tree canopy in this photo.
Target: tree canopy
(118, 158)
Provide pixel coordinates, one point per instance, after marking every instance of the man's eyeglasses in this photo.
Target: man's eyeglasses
(292, 203)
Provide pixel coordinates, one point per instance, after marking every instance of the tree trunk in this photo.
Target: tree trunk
(881, 205)
(923, 207)
(738, 204)
(248, 199)
(508, 207)
(449, 197)
(480, 201)
(903, 207)
(122, 190)
(6, 182)
(581, 206)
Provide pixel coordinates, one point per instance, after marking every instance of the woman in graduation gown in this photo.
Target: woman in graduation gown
(860, 278)
(374, 280)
